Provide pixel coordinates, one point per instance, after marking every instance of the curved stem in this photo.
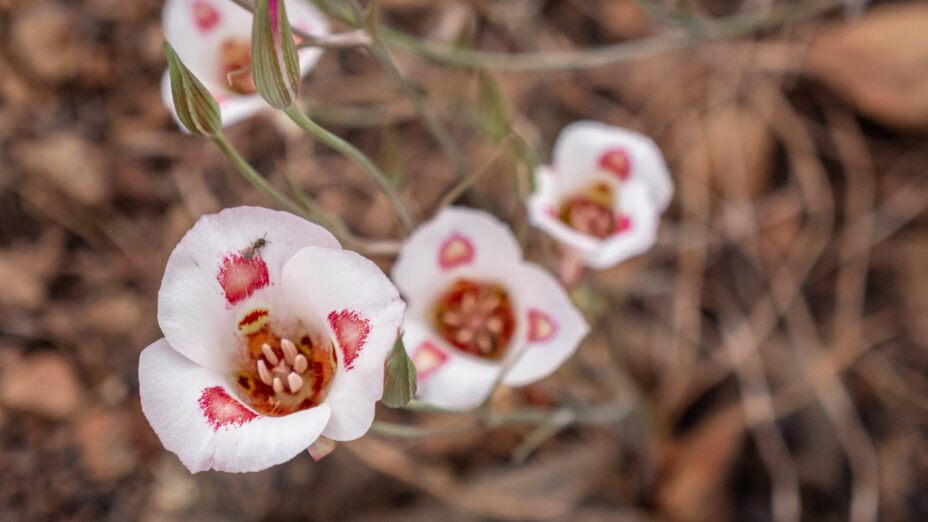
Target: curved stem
(252, 175)
(351, 152)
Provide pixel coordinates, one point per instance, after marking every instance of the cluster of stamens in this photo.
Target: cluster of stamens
(591, 213)
(476, 318)
(282, 373)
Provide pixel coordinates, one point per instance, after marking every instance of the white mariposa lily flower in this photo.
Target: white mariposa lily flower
(273, 337)
(603, 194)
(213, 39)
(476, 309)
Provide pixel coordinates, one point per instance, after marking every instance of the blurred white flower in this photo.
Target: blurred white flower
(476, 309)
(273, 337)
(213, 39)
(603, 194)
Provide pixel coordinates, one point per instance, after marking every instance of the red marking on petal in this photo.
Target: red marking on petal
(541, 327)
(455, 251)
(221, 410)
(205, 16)
(622, 224)
(617, 162)
(552, 212)
(350, 331)
(241, 277)
(427, 359)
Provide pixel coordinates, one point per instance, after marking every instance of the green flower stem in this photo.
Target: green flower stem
(252, 175)
(434, 125)
(315, 130)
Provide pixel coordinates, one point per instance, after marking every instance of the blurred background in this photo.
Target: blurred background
(766, 360)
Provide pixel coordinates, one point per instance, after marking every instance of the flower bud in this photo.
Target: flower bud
(275, 64)
(195, 106)
(400, 378)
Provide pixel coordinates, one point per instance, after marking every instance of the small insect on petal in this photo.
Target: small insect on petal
(269, 354)
(289, 350)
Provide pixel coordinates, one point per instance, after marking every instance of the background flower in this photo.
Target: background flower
(476, 309)
(603, 194)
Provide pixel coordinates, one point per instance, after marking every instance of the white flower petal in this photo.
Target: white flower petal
(582, 145)
(197, 29)
(195, 413)
(459, 242)
(553, 326)
(348, 296)
(209, 285)
(448, 378)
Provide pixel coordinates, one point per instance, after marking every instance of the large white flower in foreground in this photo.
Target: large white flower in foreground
(213, 39)
(477, 309)
(273, 336)
(603, 194)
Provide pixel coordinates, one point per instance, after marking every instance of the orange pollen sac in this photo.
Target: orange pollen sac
(477, 318)
(591, 212)
(283, 376)
(235, 66)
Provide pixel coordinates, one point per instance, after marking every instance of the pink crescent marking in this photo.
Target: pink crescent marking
(221, 410)
(240, 277)
(351, 332)
(617, 162)
(427, 359)
(455, 251)
(205, 16)
(622, 225)
(541, 327)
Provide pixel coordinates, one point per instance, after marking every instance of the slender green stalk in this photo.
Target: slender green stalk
(434, 125)
(252, 175)
(351, 152)
(709, 29)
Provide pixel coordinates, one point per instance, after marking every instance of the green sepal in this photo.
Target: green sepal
(274, 61)
(196, 108)
(399, 386)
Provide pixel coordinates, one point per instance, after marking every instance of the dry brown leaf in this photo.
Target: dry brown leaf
(879, 63)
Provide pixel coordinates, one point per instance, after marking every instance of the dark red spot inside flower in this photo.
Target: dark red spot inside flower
(205, 16)
(617, 162)
(240, 277)
(221, 410)
(455, 251)
(350, 331)
(428, 358)
(541, 327)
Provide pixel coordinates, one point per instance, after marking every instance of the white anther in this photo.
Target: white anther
(289, 350)
(295, 382)
(495, 325)
(484, 343)
(269, 354)
(300, 363)
(278, 385)
(264, 373)
(468, 301)
(489, 304)
(452, 318)
(464, 336)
